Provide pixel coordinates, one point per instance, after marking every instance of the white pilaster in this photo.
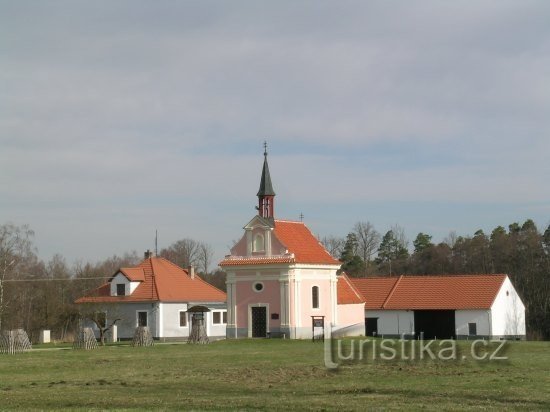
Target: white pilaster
(334, 301)
(283, 291)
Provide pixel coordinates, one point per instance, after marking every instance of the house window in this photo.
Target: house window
(219, 318)
(183, 319)
(472, 329)
(216, 318)
(120, 289)
(258, 243)
(142, 318)
(315, 297)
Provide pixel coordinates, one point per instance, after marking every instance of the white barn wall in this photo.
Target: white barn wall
(508, 312)
(481, 317)
(393, 322)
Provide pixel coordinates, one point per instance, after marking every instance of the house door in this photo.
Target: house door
(259, 322)
(371, 326)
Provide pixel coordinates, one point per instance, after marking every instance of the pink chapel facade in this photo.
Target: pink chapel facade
(279, 276)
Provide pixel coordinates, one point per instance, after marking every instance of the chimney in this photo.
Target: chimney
(148, 254)
(191, 271)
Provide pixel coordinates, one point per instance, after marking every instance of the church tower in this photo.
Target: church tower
(279, 277)
(266, 195)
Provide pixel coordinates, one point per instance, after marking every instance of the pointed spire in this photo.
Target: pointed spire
(266, 194)
(266, 188)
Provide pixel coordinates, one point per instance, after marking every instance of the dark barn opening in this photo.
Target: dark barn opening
(371, 326)
(438, 324)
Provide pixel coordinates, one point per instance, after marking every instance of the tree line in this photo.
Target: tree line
(521, 251)
(37, 294)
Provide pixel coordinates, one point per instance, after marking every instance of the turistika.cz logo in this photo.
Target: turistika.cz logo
(346, 350)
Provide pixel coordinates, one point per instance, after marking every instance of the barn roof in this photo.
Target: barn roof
(430, 292)
(163, 281)
(346, 292)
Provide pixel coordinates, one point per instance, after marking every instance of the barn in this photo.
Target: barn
(442, 307)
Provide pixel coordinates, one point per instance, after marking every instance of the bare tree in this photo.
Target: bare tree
(399, 234)
(334, 245)
(205, 254)
(368, 240)
(15, 247)
(99, 314)
(451, 239)
(183, 253)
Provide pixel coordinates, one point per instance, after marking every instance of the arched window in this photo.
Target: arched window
(315, 297)
(258, 243)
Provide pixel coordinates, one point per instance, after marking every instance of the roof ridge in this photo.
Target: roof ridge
(391, 291)
(290, 221)
(154, 286)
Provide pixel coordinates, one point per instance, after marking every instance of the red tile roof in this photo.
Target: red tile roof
(162, 281)
(430, 292)
(299, 240)
(346, 292)
(374, 290)
(133, 274)
(302, 246)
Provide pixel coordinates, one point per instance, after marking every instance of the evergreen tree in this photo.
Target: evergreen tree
(352, 263)
(391, 249)
(422, 242)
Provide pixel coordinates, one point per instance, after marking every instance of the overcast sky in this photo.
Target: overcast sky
(120, 118)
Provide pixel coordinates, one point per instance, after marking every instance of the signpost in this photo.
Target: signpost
(319, 323)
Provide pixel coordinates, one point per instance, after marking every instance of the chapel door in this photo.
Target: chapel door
(259, 322)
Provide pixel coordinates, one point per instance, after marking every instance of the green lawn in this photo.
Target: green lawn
(266, 374)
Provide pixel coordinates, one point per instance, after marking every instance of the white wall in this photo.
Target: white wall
(351, 320)
(127, 313)
(508, 312)
(481, 317)
(171, 320)
(121, 279)
(216, 330)
(392, 322)
(170, 313)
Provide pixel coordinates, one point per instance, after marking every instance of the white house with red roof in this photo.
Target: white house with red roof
(157, 293)
(452, 306)
(280, 278)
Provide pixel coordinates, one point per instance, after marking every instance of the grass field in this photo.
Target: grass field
(266, 374)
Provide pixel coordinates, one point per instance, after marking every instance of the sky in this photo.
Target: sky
(121, 118)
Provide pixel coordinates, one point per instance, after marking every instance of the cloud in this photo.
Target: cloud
(115, 112)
